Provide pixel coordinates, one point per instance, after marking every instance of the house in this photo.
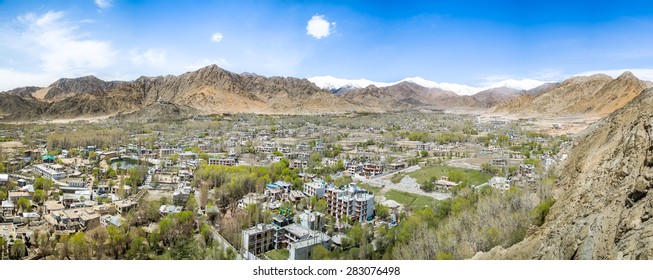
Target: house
(14, 196)
(4, 178)
(181, 195)
(372, 169)
(169, 209)
(423, 146)
(251, 198)
(50, 171)
(298, 238)
(52, 205)
(296, 195)
(47, 159)
(499, 162)
(499, 183)
(7, 208)
(315, 188)
(123, 206)
(355, 169)
(444, 183)
(223, 161)
(112, 220)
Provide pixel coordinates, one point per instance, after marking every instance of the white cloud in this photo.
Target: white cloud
(319, 27)
(12, 78)
(216, 37)
(151, 57)
(104, 4)
(60, 46)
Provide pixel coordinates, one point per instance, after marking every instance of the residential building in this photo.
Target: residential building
(372, 169)
(423, 146)
(169, 209)
(50, 171)
(315, 188)
(352, 201)
(299, 239)
(499, 183)
(223, 161)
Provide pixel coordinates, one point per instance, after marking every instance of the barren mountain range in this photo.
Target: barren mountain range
(596, 95)
(212, 90)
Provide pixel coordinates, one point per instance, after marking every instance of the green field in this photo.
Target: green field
(474, 177)
(279, 254)
(414, 201)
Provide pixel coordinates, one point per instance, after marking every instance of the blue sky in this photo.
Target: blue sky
(465, 42)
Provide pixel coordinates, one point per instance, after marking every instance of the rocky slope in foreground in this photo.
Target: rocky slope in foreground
(603, 210)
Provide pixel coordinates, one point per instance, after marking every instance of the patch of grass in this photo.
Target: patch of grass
(474, 177)
(397, 178)
(413, 201)
(374, 190)
(279, 254)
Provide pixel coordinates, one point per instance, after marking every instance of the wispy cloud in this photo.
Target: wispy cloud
(216, 37)
(61, 47)
(151, 57)
(319, 27)
(104, 4)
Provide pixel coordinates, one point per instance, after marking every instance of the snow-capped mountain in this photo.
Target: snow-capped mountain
(333, 84)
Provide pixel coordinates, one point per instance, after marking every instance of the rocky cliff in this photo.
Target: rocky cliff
(603, 210)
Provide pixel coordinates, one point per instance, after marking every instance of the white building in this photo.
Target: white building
(315, 188)
(50, 171)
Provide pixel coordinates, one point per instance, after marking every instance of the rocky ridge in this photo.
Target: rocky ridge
(603, 210)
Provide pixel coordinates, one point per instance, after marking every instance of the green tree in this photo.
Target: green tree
(24, 204)
(41, 183)
(3, 248)
(79, 246)
(191, 203)
(18, 250)
(427, 186)
(40, 196)
(320, 253)
(117, 241)
(540, 211)
(138, 249)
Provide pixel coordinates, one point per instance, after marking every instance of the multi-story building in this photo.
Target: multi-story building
(355, 169)
(50, 171)
(350, 200)
(423, 146)
(222, 161)
(372, 169)
(282, 233)
(316, 188)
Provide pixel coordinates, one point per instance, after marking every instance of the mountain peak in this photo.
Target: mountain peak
(627, 75)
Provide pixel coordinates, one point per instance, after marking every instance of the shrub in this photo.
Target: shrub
(541, 210)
